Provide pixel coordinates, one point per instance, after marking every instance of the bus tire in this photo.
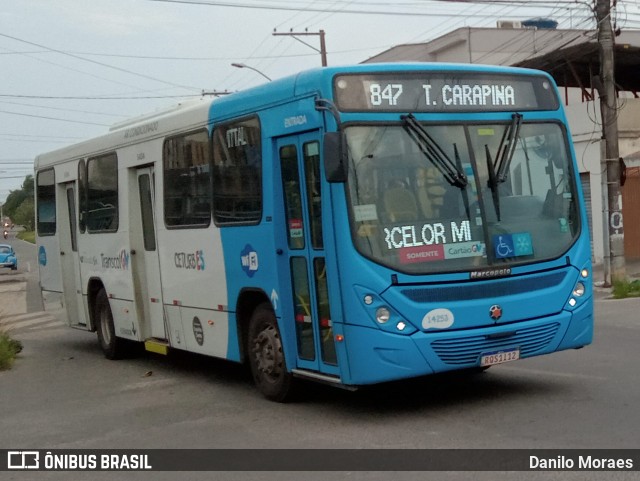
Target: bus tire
(266, 355)
(112, 346)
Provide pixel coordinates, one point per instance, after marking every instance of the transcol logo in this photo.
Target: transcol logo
(121, 261)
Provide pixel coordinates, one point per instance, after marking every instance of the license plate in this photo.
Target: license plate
(498, 357)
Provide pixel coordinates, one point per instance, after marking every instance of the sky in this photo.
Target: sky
(71, 68)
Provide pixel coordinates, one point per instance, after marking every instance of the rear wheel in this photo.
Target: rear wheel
(113, 347)
(266, 355)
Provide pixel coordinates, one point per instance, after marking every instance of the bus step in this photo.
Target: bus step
(159, 346)
(322, 378)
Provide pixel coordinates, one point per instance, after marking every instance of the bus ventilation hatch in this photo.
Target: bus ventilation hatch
(467, 350)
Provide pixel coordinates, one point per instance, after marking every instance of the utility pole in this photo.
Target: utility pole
(323, 49)
(614, 262)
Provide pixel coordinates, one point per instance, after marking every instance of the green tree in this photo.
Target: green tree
(27, 185)
(14, 199)
(17, 197)
(25, 214)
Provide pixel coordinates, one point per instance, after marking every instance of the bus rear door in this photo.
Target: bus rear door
(144, 258)
(304, 253)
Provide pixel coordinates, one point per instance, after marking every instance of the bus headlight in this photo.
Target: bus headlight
(579, 290)
(382, 315)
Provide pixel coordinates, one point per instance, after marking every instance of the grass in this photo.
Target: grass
(29, 236)
(9, 349)
(624, 289)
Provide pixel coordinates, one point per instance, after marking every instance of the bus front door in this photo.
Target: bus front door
(69, 259)
(299, 157)
(144, 257)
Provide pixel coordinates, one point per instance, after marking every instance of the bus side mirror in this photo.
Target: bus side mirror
(335, 159)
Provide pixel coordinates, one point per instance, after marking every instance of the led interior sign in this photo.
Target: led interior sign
(444, 92)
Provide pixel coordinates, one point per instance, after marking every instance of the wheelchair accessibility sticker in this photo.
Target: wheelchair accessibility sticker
(512, 245)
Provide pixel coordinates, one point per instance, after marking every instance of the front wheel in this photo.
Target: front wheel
(113, 347)
(266, 355)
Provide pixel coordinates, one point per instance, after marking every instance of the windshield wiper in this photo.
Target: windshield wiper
(506, 151)
(499, 170)
(432, 151)
(493, 183)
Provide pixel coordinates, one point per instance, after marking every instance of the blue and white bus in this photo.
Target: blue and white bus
(350, 225)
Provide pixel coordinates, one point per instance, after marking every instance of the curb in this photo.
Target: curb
(4, 279)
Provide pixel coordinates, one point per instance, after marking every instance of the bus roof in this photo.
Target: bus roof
(196, 113)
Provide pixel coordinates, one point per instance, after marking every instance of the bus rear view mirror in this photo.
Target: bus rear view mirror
(334, 157)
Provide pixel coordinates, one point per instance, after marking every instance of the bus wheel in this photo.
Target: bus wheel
(112, 346)
(266, 355)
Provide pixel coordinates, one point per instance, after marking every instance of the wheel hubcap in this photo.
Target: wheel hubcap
(267, 351)
(104, 327)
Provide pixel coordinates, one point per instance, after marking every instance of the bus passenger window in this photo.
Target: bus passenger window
(102, 195)
(237, 172)
(187, 185)
(46, 196)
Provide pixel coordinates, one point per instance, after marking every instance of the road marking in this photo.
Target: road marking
(13, 286)
(30, 322)
(551, 373)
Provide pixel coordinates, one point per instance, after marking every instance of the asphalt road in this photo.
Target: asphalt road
(27, 272)
(63, 394)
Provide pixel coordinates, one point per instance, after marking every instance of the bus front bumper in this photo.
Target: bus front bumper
(378, 356)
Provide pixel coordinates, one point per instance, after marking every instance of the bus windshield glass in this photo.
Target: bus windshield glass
(429, 198)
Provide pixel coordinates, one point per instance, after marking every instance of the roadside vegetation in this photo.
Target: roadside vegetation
(624, 289)
(19, 205)
(28, 236)
(9, 349)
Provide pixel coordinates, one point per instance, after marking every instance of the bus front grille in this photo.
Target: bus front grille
(471, 291)
(467, 350)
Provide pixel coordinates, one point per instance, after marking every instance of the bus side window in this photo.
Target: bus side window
(102, 193)
(187, 186)
(237, 172)
(46, 196)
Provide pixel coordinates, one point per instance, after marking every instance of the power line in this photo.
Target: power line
(163, 57)
(13, 177)
(81, 97)
(61, 109)
(102, 64)
(214, 3)
(53, 118)
(55, 137)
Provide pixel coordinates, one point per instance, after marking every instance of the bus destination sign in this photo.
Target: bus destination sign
(444, 92)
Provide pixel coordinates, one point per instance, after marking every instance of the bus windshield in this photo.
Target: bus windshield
(429, 198)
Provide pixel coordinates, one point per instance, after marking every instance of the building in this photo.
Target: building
(572, 58)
